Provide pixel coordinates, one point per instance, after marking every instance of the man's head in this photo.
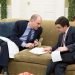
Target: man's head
(35, 21)
(62, 24)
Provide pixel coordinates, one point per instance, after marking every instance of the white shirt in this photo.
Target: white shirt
(64, 36)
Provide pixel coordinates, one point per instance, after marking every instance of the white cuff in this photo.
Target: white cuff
(23, 44)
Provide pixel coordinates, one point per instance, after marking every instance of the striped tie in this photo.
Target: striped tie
(29, 35)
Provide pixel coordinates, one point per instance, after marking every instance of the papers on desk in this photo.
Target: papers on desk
(37, 51)
(56, 56)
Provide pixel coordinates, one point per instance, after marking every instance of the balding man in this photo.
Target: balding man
(27, 33)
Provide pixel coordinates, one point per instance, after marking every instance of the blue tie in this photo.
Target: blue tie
(29, 35)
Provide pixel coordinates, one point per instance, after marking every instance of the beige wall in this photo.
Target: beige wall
(9, 2)
(66, 8)
(48, 9)
(66, 3)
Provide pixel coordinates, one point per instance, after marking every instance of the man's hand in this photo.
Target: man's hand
(29, 45)
(36, 43)
(48, 49)
(25, 73)
(62, 49)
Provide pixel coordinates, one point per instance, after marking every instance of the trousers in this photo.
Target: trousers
(4, 54)
(58, 68)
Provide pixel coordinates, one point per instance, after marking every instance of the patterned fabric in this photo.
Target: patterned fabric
(29, 36)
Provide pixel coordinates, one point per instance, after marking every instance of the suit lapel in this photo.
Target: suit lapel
(23, 28)
(68, 35)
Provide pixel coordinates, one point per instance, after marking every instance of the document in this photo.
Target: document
(12, 47)
(37, 50)
(56, 56)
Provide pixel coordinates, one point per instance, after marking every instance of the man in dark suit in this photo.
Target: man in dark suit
(66, 46)
(27, 33)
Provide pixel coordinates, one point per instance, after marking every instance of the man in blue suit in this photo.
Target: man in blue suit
(66, 46)
(27, 33)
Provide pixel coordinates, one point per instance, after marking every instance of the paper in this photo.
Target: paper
(37, 51)
(12, 47)
(56, 56)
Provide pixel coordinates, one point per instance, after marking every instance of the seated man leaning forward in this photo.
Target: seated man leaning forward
(27, 33)
(66, 46)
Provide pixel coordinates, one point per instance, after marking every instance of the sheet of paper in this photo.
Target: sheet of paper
(37, 51)
(56, 56)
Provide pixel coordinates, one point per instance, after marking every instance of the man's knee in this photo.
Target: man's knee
(60, 66)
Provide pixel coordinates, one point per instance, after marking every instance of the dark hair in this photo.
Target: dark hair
(63, 21)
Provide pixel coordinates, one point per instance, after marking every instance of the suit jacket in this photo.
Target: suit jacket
(19, 29)
(70, 40)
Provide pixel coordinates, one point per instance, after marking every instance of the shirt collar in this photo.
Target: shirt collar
(28, 27)
(67, 30)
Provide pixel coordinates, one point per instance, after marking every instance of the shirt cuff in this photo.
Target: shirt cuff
(23, 44)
